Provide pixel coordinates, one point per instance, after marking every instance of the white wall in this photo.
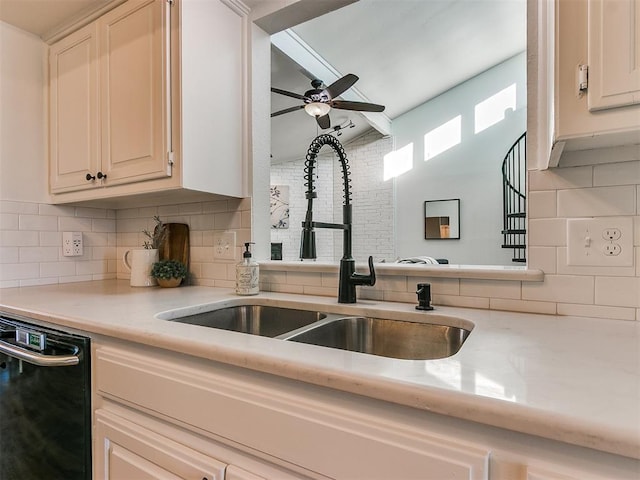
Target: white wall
(23, 172)
(469, 171)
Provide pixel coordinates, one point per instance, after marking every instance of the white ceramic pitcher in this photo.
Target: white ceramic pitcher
(139, 262)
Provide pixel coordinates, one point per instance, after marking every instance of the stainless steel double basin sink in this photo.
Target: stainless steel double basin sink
(375, 336)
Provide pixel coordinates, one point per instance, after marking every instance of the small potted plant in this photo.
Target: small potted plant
(169, 273)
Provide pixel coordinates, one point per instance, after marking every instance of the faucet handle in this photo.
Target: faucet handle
(365, 279)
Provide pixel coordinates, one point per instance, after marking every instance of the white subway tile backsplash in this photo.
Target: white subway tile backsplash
(57, 269)
(546, 308)
(202, 254)
(202, 222)
(302, 278)
(545, 232)
(19, 271)
(597, 201)
(50, 239)
(460, 301)
(625, 173)
(75, 278)
(560, 178)
(73, 224)
(9, 254)
(597, 311)
(560, 288)
(442, 286)
(618, 291)
(56, 210)
(103, 225)
(38, 222)
(542, 204)
(320, 291)
(190, 209)
(91, 267)
(19, 238)
(218, 206)
(228, 220)
(18, 207)
(542, 258)
(39, 254)
(489, 288)
(9, 221)
(91, 212)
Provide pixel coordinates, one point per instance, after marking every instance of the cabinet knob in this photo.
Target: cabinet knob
(101, 175)
(90, 177)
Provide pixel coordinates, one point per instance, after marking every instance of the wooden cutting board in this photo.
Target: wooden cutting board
(175, 245)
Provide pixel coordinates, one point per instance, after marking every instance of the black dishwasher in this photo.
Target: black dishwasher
(45, 403)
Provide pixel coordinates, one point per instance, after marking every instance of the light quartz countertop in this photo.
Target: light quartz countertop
(571, 379)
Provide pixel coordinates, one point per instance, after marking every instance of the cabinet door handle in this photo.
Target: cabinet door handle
(90, 177)
(101, 175)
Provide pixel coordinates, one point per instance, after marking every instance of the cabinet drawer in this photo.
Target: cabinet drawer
(334, 442)
(127, 450)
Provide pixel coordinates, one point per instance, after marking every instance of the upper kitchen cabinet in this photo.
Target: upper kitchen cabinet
(149, 101)
(597, 74)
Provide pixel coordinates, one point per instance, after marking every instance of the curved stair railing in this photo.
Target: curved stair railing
(514, 178)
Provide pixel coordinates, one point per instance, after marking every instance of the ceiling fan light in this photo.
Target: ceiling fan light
(317, 109)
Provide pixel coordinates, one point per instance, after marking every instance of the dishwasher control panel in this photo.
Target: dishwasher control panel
(35, 340)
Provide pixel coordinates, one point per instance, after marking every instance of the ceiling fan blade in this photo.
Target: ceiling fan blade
(287, 110)
(288, 94)
(358, 106)
(341, 85)
(324, 121)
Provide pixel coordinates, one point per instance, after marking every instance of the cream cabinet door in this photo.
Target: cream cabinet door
(134, 86)
(73, 111)
(614, 53)
(125, 450)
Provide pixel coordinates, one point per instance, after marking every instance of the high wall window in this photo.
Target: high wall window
(493, 109)
(442, 138)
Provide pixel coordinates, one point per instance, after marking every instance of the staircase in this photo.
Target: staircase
(514, 177)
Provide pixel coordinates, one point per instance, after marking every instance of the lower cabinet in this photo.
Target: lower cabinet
(266, 429)
(166, 415)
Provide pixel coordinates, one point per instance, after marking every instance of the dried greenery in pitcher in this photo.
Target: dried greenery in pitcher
(156, 238)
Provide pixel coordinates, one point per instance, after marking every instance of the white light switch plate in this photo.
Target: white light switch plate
(600, 242)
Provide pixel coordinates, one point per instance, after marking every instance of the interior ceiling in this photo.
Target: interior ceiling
(42, 16)
(404, 51)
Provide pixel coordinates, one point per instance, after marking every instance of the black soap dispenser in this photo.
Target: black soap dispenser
(247, 274)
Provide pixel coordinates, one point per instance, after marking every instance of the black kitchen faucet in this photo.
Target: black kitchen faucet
(349, 278)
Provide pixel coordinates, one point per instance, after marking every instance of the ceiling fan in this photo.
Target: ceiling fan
(318, 101)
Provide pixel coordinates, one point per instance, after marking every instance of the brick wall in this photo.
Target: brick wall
(372, 199)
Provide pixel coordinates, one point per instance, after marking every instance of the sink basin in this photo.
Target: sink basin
(266, 321)
(387, 338)
(398, 339)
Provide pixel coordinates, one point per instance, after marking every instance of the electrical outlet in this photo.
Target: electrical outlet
(600, 242)
(224, 245)
(72, 244)
(611, 234)
(612, 249)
